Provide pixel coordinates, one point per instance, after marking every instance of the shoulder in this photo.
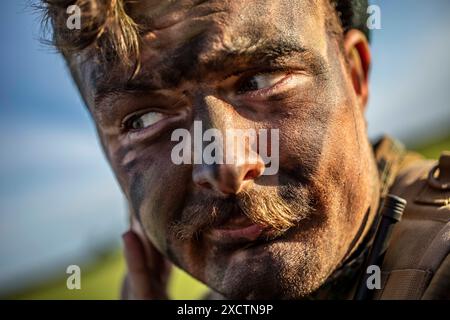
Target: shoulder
(417, 263)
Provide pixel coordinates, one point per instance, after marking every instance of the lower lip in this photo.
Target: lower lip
(249, 233)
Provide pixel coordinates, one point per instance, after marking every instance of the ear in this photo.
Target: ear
(357, 50)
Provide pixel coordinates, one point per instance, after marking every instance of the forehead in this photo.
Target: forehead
(185, 38)
(162, 14)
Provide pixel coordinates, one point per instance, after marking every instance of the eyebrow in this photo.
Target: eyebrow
(183, 64)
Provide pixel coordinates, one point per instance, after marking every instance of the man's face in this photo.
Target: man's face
(239, 65)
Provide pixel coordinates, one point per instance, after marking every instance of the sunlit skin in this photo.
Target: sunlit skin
(241, 64)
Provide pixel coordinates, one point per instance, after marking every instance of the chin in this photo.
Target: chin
(277, 270)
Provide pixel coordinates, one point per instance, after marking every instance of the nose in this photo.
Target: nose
(240, 163)
(227, 179)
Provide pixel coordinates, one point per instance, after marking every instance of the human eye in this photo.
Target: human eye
(142, 121)
(260, 81)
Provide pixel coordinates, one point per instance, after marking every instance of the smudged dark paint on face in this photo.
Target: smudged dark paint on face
(158, 190)
(178, 65)
(137, 194)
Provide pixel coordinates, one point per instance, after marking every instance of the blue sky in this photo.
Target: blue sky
(58, 198)
(50, 164)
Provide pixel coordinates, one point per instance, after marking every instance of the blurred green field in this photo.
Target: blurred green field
(434, 149)
(102, 278)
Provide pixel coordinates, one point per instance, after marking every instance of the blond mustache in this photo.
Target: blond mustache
(273, 207)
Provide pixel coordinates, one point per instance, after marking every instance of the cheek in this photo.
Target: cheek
(345, 171)
(156, 189)
(302, 137)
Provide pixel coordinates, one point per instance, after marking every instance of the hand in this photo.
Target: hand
(148, 269)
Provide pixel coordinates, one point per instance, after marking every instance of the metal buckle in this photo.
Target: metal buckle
(434, 182)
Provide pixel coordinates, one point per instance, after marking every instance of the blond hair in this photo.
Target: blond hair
(106, 29)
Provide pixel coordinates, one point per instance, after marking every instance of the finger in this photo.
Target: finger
(158, 265)
(138, 272)
(125, 291)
